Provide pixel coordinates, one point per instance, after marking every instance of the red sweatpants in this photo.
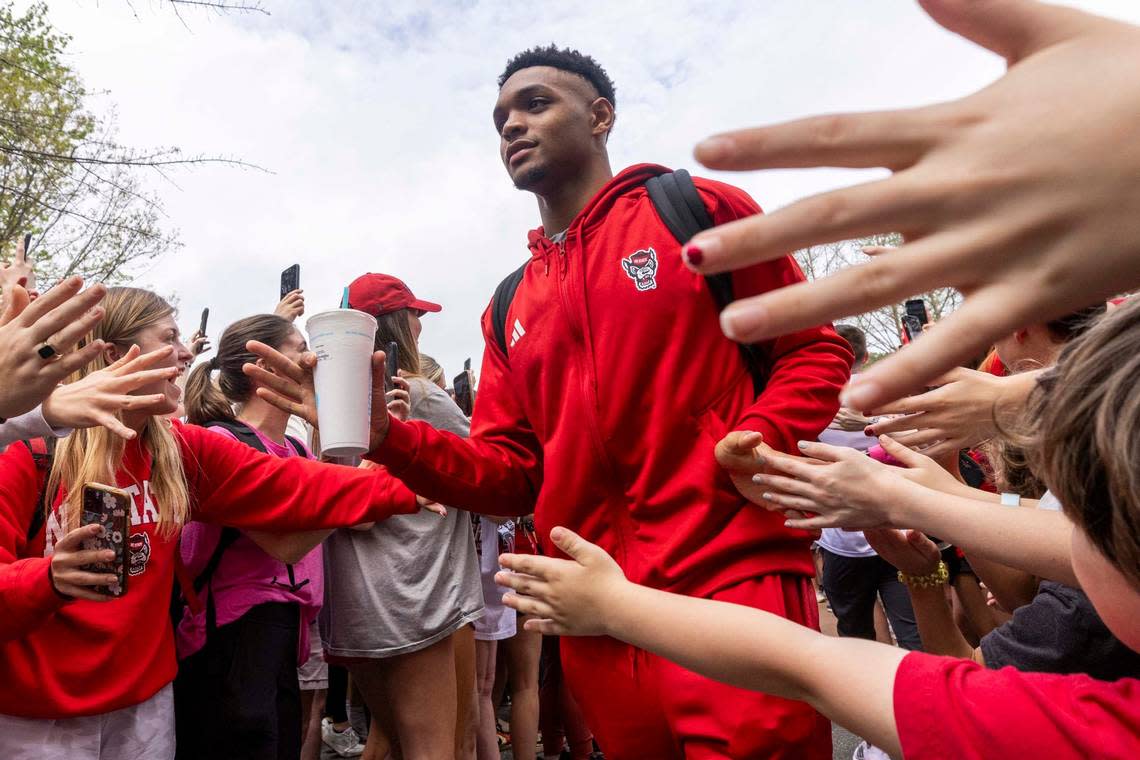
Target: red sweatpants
(642, 706)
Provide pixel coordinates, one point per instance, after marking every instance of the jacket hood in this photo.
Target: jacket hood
(595, 211)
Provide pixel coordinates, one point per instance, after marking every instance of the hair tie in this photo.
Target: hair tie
(213, 363)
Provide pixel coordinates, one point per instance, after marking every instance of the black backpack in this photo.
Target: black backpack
(677, 202)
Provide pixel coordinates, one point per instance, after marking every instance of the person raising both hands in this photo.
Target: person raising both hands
(1022, 195)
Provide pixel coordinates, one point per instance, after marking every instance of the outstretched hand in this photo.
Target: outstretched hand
(959, 414)
(564, 597)
(844, 488)
(1015, 235)
(742, 454)
(907, 550)
(98, 398)
(289, 386)
(59, 318)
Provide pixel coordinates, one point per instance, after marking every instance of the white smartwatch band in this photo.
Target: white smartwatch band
(1011, 500)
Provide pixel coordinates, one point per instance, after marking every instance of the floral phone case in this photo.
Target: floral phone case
(111, 508)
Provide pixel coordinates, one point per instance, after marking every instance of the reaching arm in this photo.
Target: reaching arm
(498, 470)
(849, 680)
(1012, 588)
(239, 486)
(849, 490)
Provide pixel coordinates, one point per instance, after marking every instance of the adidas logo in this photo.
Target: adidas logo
(516, 333)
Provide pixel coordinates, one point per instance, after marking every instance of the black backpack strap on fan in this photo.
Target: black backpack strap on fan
(679, 204)
(298, 447)
(43, 460)
(241, 431)
(246, 435)
(501, 302)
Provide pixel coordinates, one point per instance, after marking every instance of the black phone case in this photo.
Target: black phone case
(109, 507)
(391, 364)
(290, 280)
(462, 387)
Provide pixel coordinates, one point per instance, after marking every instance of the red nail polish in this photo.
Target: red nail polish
(694, 255)
(868, 431)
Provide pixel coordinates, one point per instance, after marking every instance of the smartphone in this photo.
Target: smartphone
(914, 320)
(27, 246)
(467, 364)
(290, 280)
(392, 364)
(205, 319)
(110, 507)
(463, 391)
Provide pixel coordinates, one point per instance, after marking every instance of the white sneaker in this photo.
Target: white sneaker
(345, 743)
(866, 751)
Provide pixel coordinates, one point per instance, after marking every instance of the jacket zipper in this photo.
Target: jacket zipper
(588, 390)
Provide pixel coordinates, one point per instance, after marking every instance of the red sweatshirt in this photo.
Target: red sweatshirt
(617, 384)
(63, 658)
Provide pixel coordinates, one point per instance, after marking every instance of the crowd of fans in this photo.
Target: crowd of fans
(613, 552)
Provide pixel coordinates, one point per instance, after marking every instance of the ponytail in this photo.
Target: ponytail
(208, 399)
(205, 401)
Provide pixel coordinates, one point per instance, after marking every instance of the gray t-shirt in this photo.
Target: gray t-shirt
(1060, 632)
(410, 580)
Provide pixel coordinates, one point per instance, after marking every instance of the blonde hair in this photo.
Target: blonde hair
(397, 326)
(94, 455)
(431, 370)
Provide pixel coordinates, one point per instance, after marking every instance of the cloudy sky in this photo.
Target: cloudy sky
(374, 121)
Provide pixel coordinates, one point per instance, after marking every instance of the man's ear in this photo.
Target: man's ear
(602, 115)
(265, 366)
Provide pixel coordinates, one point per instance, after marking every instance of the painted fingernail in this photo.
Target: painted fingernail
(766, 496)
(693, 255)
(802, 445)
(868, 431)
(758, 479)
(717, 148)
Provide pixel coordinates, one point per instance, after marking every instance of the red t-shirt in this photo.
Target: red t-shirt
(947, 707)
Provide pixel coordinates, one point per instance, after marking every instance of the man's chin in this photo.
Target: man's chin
(530, 179)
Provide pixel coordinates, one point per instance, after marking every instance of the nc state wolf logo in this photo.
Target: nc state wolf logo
(642, 268)
(139, 545)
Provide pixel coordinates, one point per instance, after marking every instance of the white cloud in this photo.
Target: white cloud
(375, 121)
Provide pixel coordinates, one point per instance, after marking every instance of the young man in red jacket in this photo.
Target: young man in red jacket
(603, 413)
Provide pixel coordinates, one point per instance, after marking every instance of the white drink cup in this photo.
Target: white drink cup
(343, 340)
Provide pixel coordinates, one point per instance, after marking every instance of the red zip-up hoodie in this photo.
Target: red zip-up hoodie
(616, 387)
(62, 658)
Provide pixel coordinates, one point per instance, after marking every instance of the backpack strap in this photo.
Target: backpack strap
(246, 435)
(678, 203)
(43, 454)
(298, 447)
(241, 431)
(501, 302)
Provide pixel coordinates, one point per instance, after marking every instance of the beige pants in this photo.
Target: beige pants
(140, 732)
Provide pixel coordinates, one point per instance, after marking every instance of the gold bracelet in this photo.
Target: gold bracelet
(938, 578)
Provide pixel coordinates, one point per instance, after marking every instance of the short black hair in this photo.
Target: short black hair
(856, 338)
(566, 60)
